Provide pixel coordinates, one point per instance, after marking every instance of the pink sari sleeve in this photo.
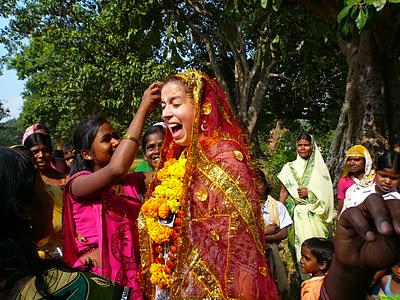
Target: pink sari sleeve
(70, 247)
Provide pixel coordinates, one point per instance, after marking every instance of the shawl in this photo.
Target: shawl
(312, 214)
(105, 223)
(313, 174)
(220, 253)
(369, 173)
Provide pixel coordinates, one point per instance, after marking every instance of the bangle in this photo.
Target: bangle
(127, 136)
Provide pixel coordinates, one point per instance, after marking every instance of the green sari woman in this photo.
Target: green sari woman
(308, 194)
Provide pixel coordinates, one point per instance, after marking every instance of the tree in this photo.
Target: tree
(9, 133)
(4, 112)
(369, 38)
(267, 66)
(82, 58)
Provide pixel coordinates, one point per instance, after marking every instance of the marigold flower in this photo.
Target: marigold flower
(163, 211)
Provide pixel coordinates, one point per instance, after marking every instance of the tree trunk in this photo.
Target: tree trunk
(275, 136)
(371, 110)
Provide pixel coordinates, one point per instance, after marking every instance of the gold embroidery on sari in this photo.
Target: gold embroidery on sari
(200, 270)
(202, 194)
(233, 193)
(206, 108)
(238, 155)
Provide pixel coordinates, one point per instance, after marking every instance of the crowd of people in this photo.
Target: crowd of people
(196, 220)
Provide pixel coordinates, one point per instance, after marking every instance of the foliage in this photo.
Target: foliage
(361, 13)
(4, 112)
(9, 133)
(82, 58)
(96, 57)
(303, 68)
(286, 150)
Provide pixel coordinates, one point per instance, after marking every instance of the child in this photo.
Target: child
(69, 155)
(276, 223)
(390, 284)
(387, 179)
(101, 199)
(316, 257)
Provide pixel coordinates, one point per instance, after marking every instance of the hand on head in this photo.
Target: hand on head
(152, 96)
(368, 235)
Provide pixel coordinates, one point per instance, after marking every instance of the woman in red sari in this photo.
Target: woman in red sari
(201, 226)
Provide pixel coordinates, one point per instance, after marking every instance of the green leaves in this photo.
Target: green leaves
(362, 18)
(276, 4)
(84, 59)
(360, 13)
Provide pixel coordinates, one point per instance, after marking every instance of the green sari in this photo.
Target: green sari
(311, 216)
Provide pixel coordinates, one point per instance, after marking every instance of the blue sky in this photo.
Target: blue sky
(10, 87)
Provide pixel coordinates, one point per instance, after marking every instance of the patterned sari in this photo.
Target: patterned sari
(103, 230)
(220, 253)
(311, 215)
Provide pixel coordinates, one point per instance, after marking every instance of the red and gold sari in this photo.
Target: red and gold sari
(220, 249)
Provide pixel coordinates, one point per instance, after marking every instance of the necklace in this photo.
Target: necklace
(163, 218)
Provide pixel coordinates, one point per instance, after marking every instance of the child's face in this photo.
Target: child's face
(396, 271)
(104, 145)
(387, 180)
(308, 262)
(69, 157)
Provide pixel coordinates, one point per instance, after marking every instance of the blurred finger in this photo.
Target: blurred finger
(393, 207)
(377, 210)
(353, 217)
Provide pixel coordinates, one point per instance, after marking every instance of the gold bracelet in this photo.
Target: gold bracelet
(127, 136)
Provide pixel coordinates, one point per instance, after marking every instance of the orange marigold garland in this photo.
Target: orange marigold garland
(163, 214)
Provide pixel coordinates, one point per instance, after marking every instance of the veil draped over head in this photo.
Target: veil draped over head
(220, 251)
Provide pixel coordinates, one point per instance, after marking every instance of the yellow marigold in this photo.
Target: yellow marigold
(163, 173)
(150, 208)
(157, 232)
(158, 276)
(174, 205)
(163, 211)
(159, 191)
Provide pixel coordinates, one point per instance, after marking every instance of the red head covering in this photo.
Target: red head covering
(35, 128)
(220, 250)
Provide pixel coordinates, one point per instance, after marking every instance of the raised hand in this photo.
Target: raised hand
(367, 240)
(368, 235)
(151, 96)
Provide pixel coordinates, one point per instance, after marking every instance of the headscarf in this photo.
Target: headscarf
(369, 173)
(217, 179)
(311, 215)
(35, 128)
(313, 174)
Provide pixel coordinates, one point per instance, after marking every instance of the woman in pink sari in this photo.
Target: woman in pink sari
(101, 199)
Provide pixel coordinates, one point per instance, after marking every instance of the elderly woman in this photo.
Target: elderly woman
(202, 234)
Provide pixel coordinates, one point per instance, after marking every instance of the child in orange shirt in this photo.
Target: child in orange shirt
(316, 257)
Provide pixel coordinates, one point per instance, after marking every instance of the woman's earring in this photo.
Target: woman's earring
(204, 126)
